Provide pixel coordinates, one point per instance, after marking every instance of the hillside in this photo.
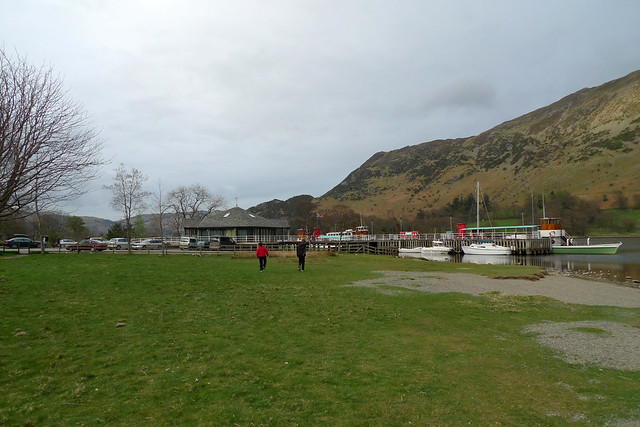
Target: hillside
(586, 144)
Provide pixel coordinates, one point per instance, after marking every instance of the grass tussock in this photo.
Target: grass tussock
(189, 340)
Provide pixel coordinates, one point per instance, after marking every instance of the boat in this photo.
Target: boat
(488, 248)
(483, 248)
(563, 243)
(595, 249)
(437, 247)
(416, 250)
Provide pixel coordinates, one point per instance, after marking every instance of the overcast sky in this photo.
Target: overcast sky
(261, 100)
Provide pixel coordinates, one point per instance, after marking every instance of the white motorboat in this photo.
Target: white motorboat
(485, 249)
(437, 247)
(416, 250)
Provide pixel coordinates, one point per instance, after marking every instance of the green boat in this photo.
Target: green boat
(595, 249)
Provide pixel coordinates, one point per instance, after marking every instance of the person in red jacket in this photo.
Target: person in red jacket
(262, 253)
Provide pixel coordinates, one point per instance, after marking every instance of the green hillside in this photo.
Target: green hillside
(586, 145)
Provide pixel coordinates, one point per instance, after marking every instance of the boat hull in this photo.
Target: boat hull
(597, 249)
(417, 250)
(485, 249)
(435, 250)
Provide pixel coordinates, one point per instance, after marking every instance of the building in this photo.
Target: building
(239, 224)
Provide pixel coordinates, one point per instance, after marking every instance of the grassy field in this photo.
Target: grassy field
(188, 340)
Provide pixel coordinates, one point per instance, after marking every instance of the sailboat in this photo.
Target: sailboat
(483, 248)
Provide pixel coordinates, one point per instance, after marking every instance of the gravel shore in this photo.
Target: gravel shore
(562, 288)
(607, 344)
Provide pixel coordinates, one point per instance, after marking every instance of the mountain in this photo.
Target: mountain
(586, 144)
(278, 209)
(97, 226)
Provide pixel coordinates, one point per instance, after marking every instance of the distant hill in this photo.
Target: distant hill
(97, 226)
(279, 209)
(586, 144)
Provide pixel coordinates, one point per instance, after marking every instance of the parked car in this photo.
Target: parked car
(118, 243)
(148, 244)
(87, 245)
(21, 242)
(188, 242)
(218, 242)
(66, 242)
(99, 240)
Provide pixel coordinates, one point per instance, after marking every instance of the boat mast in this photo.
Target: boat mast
(478, 208)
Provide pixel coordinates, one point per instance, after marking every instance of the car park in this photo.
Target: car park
(118, 243)
(21, 242)
(148, 244)
(87, 245)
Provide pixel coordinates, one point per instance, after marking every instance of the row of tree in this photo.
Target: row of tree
(185, 202)
(49, 151)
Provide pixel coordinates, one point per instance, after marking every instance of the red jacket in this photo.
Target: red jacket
(262, 251)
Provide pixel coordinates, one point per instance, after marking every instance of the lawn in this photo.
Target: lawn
(189, 340)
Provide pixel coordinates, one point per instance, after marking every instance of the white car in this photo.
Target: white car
(65, 242)
(148, 244)
(118, 243)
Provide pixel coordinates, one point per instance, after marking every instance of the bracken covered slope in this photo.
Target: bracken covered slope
(587, 144)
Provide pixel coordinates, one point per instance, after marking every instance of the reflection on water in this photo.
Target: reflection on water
(622, 267)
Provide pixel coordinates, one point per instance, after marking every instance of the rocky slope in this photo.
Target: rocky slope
(586, 144)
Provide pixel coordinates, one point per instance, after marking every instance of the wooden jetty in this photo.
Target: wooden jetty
(526, 246)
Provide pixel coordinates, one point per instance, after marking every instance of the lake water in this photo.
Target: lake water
(621, 267)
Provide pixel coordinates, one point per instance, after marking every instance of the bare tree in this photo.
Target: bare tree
(191, 202)
(48, 150)
(128, 196)
(160, 207)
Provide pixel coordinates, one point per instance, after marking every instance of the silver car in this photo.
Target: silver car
(148, 244)
(117, 243)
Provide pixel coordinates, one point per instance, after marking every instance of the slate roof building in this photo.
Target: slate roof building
(239, 224)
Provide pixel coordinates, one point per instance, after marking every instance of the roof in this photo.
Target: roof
(235, 218)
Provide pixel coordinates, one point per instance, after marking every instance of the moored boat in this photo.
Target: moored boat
(563, 243)
(438, 247)
(595, 249)
(416, 250)
(488, 248)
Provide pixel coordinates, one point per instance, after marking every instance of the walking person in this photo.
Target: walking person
(262, 253)
(301, 251)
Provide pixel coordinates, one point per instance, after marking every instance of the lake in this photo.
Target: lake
(621, 267)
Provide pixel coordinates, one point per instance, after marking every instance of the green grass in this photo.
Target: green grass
(210, 340)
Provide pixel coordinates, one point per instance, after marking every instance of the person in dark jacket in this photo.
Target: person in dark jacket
(262, 253)
(301, 251)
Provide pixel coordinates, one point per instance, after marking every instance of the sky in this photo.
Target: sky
(269, 99)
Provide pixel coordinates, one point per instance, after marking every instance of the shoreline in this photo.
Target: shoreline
(568, 289)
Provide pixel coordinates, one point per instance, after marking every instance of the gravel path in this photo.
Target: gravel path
(607, 344)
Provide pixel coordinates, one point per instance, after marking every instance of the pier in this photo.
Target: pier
(390, 246)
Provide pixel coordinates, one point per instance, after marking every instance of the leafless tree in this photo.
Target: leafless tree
(48, 150)
(160, 207)
(191, 202)
(128, 196)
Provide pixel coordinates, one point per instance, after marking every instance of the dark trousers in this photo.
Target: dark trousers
(263, 262)
(301, 262)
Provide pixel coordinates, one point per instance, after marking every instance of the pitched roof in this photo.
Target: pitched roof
(234, 218)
